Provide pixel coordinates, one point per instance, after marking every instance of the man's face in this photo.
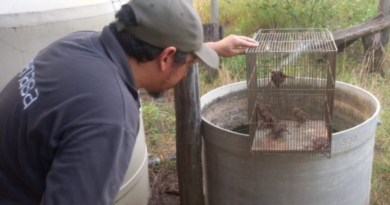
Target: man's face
(173, 76)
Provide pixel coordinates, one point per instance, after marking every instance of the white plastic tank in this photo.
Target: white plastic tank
(26, 27)
(135, 188)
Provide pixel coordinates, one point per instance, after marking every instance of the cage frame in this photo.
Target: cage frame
(252, 76)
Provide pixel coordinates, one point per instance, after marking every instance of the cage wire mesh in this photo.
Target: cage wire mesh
(291, 81)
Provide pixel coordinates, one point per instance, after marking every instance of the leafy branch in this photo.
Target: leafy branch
(291, 13)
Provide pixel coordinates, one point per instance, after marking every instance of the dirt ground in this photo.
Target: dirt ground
(164, 188)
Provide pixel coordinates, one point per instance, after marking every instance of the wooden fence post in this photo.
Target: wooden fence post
(188, 139)
(212, 32)
(376, 42)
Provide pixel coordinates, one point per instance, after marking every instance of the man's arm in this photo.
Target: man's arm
(232, 45)
(89, 165)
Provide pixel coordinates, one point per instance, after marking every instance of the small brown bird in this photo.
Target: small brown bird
(261, 108)
(278, 128)
(268, 121)
(278, 77)
(265, 118)
(299, 115)
(320, 144)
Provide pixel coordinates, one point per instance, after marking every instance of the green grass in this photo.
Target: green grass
(159, 124)
(247, 16)
(244, 17)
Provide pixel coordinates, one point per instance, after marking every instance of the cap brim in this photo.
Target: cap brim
(208, 56)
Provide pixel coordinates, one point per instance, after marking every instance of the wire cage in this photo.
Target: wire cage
(291, 82)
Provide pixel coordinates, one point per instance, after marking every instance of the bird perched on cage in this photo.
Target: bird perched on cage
(278, 77)
(299, 116)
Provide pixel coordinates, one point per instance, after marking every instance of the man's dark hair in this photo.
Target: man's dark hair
(140, 50)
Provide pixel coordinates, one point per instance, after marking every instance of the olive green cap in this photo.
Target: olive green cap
(164, 23)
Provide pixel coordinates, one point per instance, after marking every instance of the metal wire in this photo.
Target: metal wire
(291, 114)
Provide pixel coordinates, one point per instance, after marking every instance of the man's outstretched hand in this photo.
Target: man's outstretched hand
(232, 45)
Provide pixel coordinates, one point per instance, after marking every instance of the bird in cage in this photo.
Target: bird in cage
(265, 118)
(278, 77)
(268, 121)
(299, 116)
(320, 144)
(278, 128)
(262, 108)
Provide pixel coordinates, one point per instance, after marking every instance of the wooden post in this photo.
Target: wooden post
(221, 31)
(212, 33)
(346, 36)
(188, 139)
(376, 42)
(342, 45)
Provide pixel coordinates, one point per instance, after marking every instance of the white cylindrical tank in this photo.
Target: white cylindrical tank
(135, 188)
(26, 27)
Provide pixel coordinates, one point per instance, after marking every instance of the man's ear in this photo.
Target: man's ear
(166, 58)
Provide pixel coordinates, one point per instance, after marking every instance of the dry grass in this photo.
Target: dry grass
(224, 77)
(353, 72)
(380, 190)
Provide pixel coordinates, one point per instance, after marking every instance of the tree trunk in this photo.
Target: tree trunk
(374, 44)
